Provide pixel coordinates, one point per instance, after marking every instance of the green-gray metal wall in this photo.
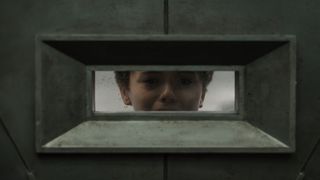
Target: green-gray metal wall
(20, 21)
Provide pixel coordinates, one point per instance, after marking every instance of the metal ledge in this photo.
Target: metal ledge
(163, 136)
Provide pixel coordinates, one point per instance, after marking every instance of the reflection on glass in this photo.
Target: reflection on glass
(164, 91)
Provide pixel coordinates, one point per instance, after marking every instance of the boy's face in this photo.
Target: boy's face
(163, 91)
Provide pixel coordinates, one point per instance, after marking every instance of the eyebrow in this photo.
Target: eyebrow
(151, 72)
(187, 72)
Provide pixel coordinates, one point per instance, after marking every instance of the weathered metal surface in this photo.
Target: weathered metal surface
(22, 20)
(227, 17)
(166, 136)
(270, 93)
(254, 17)
(12, 164)
(60, 94)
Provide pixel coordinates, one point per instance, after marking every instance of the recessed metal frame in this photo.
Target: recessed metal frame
(199, 116)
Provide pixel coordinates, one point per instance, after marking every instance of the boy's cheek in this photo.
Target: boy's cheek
(144, 102)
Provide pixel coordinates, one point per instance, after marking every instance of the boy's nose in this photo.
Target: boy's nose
(168, 95)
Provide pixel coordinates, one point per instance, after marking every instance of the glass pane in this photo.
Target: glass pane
(165, 90)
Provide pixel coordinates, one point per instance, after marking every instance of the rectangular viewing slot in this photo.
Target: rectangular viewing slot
(155, 86)
(249, 104)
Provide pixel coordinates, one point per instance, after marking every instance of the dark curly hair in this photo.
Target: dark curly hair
(122, 78)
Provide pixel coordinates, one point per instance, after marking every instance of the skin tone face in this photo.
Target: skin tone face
(163, 91)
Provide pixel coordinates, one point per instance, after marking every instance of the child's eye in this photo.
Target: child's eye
(151, 81)
(186, 81)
